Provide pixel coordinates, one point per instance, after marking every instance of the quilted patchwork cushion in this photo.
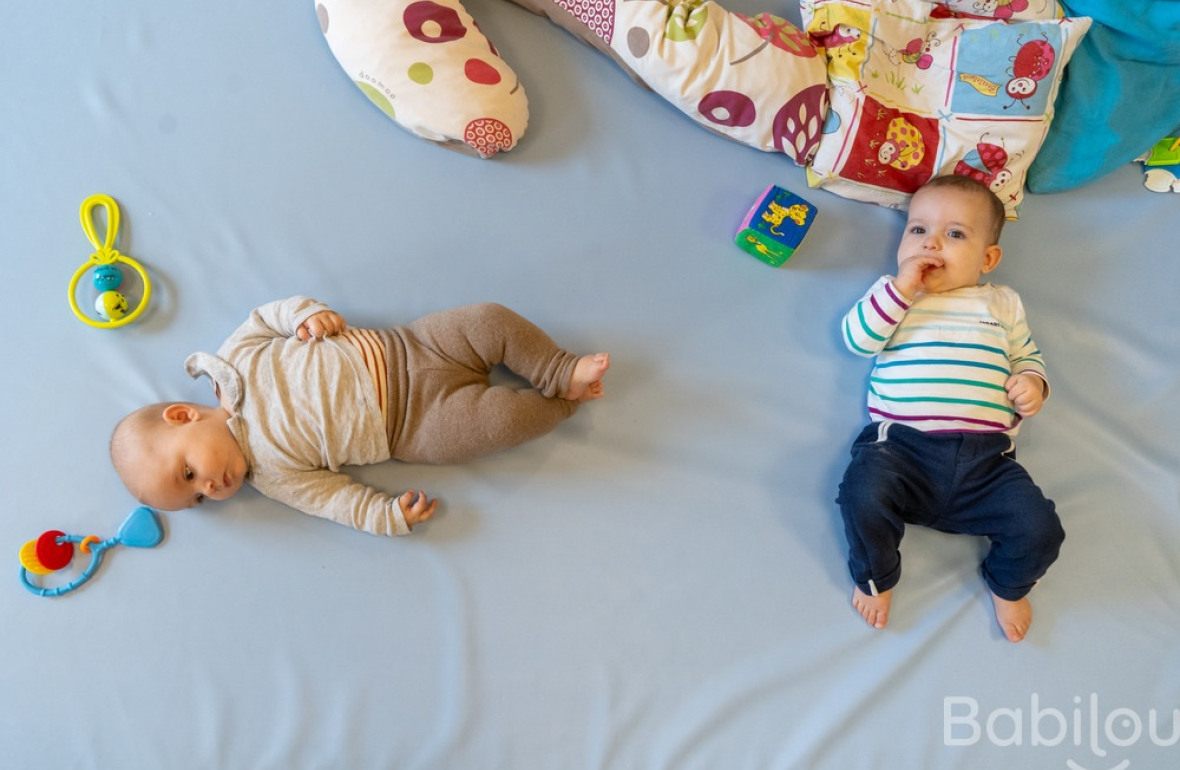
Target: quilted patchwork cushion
(916, 94)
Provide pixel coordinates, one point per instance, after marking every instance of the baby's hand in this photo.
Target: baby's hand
(1026, 392)
(326, 323)
(416, 506)
(911, 273)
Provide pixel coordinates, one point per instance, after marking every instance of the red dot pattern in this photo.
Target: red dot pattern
(488, 136)
(479, 71)
(445, 22)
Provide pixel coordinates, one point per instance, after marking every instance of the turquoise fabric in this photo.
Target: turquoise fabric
(1120, 95)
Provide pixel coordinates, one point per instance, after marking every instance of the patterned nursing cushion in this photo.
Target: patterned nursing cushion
(755, 79)
(758, 80)
(427, 66)
(921, 90)
(877, 98)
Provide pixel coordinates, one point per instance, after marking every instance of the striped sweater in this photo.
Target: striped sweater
(942, 360)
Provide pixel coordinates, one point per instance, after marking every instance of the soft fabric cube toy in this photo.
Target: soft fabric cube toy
(775, 225)
(915, 96)
(758, 80)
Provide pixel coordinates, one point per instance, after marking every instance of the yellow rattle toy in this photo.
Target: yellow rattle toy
(110, 305)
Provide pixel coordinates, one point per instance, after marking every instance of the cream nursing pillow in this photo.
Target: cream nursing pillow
(758, 80)
(427, 66)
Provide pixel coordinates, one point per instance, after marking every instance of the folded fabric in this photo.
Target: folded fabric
(1121, 94)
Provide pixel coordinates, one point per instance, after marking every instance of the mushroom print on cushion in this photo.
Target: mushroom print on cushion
(755, 79)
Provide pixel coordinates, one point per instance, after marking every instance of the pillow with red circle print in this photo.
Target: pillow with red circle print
(426, 65)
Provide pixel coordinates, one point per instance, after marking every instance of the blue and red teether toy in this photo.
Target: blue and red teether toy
(54, 550)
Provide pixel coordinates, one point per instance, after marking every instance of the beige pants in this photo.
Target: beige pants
(442, 407)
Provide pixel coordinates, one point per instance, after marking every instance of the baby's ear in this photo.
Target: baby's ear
(991, 257)
(180, 414)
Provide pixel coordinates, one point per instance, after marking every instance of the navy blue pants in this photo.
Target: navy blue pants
(965, 483)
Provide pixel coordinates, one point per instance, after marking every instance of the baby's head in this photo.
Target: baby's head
(965, 193)
(175, 455)
(958, 220)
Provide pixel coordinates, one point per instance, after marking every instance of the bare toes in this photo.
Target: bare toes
(874, 609)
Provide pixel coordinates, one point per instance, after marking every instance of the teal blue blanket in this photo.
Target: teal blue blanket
(1120, 95)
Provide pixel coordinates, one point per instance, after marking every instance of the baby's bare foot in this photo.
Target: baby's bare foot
(874, 609)
(1014, 617)
(586, 381)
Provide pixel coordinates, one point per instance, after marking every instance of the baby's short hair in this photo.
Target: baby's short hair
(968, 185)
(129, 436)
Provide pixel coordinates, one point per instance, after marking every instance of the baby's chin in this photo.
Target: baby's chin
(937, 285)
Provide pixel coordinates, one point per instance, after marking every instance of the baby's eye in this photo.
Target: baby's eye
(188, 473)
(917, 230)
(957, 234)
(199, 499)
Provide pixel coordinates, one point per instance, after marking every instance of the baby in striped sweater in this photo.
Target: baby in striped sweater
(956, 372)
